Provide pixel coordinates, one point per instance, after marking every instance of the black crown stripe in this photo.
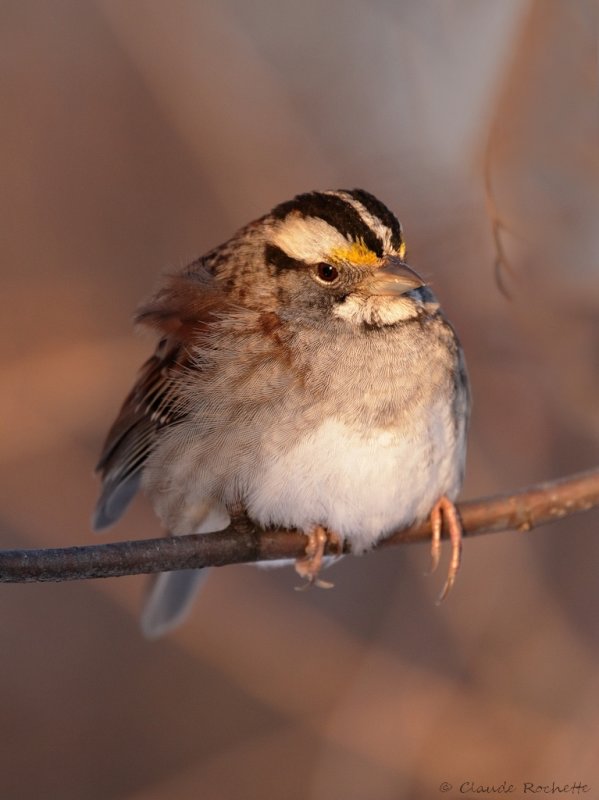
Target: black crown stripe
(279, 259)
(336, 212)
(378, 209)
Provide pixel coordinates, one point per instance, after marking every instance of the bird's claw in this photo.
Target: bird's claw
(310, 565)
(444, 509)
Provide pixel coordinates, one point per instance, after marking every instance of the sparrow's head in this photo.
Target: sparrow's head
(340, 254)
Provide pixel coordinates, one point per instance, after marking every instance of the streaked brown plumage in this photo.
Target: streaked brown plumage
(305, 376)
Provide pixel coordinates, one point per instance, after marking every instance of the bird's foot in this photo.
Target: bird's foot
(309, 567)
(444, 509)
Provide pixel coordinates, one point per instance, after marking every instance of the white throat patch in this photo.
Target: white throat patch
(377, 310)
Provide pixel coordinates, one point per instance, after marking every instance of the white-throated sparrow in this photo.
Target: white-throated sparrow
(305, 376)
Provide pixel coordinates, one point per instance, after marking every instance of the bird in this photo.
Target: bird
(304, 376)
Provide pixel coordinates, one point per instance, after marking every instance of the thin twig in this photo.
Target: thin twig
(244, 542)
(498, 227)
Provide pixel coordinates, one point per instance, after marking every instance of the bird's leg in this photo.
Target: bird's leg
(445, 509)
(310, 566)
(436, 525)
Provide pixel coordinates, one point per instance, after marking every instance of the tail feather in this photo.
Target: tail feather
(115, 497)
(169, 600)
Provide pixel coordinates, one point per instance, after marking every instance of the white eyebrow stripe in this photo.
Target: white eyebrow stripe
(374, 223)
(308, 239)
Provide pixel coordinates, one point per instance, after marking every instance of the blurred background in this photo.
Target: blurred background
(135, 136)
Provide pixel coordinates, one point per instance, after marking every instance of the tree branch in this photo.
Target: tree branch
(244, 542)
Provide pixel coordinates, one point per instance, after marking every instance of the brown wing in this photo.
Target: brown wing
(149, 407)
(181, 312)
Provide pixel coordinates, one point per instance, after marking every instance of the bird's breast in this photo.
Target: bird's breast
(361, 483)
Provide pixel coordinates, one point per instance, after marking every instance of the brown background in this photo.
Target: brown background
(136, 135)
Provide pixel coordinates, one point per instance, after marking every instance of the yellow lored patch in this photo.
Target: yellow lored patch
(356, 253)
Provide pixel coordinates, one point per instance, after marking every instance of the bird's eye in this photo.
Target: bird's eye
(326, 272)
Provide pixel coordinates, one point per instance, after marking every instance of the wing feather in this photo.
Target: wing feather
(181, 312)
(149, 407)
